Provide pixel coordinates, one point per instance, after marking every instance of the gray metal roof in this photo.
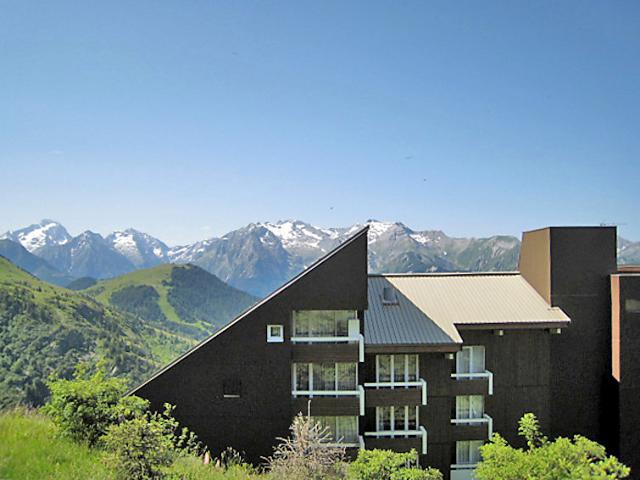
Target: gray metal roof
(430, 306)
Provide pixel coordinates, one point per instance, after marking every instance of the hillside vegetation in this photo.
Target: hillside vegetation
(178, 304)
(47, 330)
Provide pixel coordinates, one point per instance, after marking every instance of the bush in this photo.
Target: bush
(142, 447)
(389, 465)
(84, 407)
(564, 458)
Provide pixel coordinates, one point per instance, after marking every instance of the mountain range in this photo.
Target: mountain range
(260, 256)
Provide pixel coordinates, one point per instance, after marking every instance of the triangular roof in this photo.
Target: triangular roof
(267, 299)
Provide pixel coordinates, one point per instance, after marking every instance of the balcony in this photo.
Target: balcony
(336, 348)
(396, 393)
(472, 428)
(329, 402)
(473, 383)
(398, 440)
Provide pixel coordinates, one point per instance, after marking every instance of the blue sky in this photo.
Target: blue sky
(187, 119)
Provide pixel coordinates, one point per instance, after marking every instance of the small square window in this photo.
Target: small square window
(275, 334)
(231, 388)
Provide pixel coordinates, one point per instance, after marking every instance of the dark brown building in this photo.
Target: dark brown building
(431, 362)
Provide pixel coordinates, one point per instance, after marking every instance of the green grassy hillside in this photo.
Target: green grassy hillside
(179, 304)
(47, 330)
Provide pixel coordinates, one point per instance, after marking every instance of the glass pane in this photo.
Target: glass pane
(347, 429)
(412, 368)
(384, 418)
(476, 406)
(342, 326)
(474, 451)
(301, 321)
(347, 376)
(399, 414)
(412, 418)
(398, 368)
(462, 360)
(462, 452)
(326, 323)
(324, 376)
(384, 368)
(477, 359)
(328, 423)
(302, 376)
(462, 407)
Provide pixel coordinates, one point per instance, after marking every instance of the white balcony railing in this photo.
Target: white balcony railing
(475, 421)
(359, 339)
(470, 376)
(463, 471)
(359, 393)
(355, 443)
(421, 383)
(420, 432)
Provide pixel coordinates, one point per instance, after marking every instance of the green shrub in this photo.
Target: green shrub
(142, 447)
(84, 407)
(564, 458)
(389, 465)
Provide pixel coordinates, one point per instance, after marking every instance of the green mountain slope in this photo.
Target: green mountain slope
(179, 304)
(20, 256)
(46, 329)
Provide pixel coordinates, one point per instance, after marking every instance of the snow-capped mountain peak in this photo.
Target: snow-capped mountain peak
(139, 248)
(40, 235)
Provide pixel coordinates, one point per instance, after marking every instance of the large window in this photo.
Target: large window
(469, 406)
(470, 360)
(396, 418)
(397, 368)
(325, 376)
(468, 452)
(344, 429)
(322, 323)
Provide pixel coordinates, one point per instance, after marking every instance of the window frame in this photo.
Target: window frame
(469, 399)
(392, 370)
(472, 447)
(336, 376)
(469, 363)
(275, 338)
(352, 315)
(380, 418)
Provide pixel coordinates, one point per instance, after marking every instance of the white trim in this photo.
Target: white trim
(486, 374)
(275, 338)
(361, 348)
(463, 466)
(422, 384)
(324, 339)
(325, 393)
(484, 419)
(421, 432)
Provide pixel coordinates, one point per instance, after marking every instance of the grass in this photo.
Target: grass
(30, 449)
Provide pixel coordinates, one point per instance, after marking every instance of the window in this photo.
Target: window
(389, 296)
(632, 305)
(325, 376)
(469, 406)
(231, 388)
(344, 429)
(468, 452)
(275, 334)
(401, 418)
(322, 323)
(397, 368)
(470, 360)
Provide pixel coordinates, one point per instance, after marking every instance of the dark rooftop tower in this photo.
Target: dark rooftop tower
(571, 267)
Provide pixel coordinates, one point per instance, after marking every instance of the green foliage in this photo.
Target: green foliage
(578, 458)
(142, 447)
(46, 330)
(32, 449)
(83, 408)
(389, 465)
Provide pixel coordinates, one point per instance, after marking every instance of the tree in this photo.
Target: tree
(306, 454)
(578, 458)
